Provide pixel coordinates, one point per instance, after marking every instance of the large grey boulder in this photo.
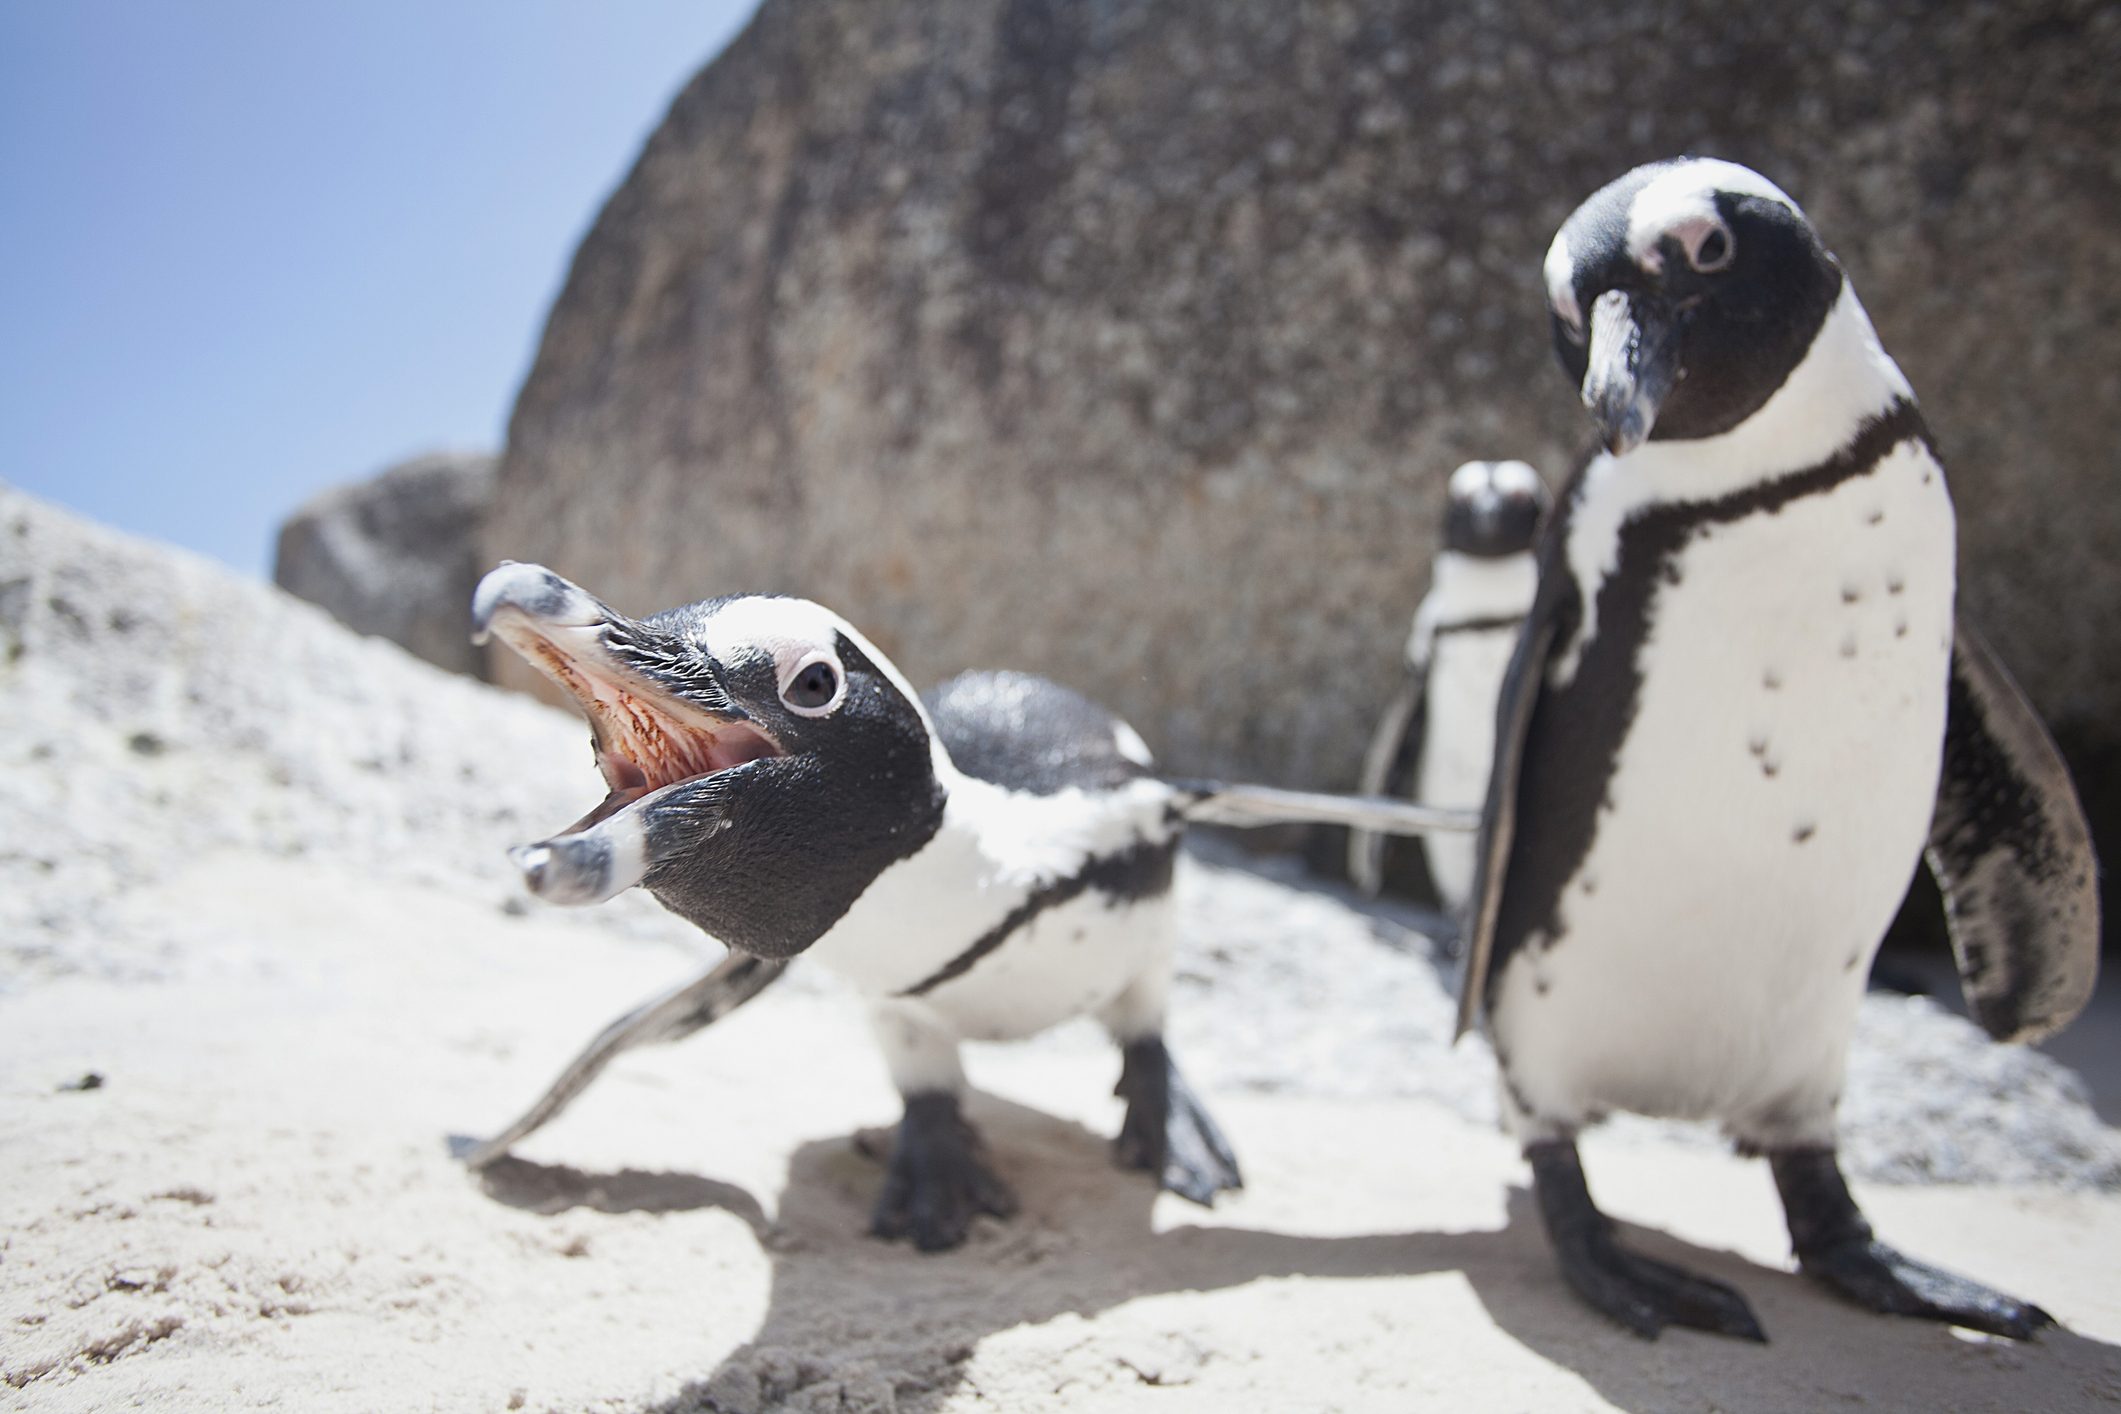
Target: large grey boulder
(158, 709)
(397, 555)
(1131, 343)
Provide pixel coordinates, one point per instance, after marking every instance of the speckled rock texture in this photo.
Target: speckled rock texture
(396, 555)
(157, 710)
(1131, 343)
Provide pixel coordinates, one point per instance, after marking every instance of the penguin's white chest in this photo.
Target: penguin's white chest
(1466, 669)
(986, 927)
(1069, 960)
(1766, 809)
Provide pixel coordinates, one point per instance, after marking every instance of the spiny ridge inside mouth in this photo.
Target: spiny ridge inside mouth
(642, 746)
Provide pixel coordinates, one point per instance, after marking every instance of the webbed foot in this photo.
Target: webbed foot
(1835, 1246)
(1639, 1292)
(1167, 1131)
(937, 1180)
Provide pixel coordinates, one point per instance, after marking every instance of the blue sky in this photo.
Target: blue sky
(250, 249)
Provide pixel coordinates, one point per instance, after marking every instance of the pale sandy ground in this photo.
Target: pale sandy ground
(251, 874)
(257, 1210)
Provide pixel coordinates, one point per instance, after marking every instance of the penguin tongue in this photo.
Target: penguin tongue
(647, 737)
(643, 748)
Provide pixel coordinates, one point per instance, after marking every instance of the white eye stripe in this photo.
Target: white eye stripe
(1560, 272)
(1687, 191)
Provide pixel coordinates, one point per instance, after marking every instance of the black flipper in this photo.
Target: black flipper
(671, 1017)
(1639, 1292)
(1388, 769)
(2010, 848)
(1521, 688)
(938, 1180)
(1167, 1131)
(1835, 1246)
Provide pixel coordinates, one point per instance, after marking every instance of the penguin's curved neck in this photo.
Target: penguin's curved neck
(1845, 379)
(1480, 586)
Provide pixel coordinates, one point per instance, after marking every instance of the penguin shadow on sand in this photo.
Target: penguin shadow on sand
(849, 1316)
(555, 1188)
(1822, 1351)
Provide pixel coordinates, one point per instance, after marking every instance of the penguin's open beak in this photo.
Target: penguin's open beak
(651, 736)
(1634, 360)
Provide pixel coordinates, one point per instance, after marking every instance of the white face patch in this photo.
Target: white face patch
(1683, 197)
(1560, 272)
(1130, 745)
(1509, 478)
(1516, 479)
(790, 631)
(793, 631)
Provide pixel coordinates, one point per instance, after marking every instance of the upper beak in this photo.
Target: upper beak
(533, 595)
(644, 722)
(1634, 360)
(651, 735)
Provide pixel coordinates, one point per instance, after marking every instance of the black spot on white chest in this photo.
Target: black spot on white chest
(1733, 686)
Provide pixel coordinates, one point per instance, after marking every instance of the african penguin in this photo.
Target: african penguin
(1740, 710)
(1438, 733)
(979, 865)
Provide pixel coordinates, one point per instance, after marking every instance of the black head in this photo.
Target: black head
(765, 762)
(1494, 510)
(1682, 296)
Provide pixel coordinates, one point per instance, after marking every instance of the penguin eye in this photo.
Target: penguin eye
(814, 689)
(1712, 250)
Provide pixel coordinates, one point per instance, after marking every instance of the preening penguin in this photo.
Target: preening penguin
(979, 866)
(1437, 736)
(1740, 710)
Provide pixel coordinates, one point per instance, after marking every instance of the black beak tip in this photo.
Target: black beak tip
(1622, 425)
(1622, 439)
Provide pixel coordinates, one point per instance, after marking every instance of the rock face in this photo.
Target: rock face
(398, 555)
(1131, 344)
(157, 710)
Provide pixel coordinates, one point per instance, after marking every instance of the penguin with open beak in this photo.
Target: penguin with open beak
(979, 864)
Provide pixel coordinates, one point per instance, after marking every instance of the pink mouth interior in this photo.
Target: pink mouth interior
(642, 745)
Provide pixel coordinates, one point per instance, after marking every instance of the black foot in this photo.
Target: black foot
(1835, 1246)
(1167, 1131)
(937, 1182)
(1641, 1293)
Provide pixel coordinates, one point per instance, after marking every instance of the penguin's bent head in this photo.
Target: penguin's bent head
(1494, 509)
(764, 761)
(1682, 296)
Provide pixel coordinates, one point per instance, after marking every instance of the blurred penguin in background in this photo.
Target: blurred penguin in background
(1435, 740)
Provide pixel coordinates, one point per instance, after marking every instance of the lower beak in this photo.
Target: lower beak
(655, 743)
(1634, 360)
